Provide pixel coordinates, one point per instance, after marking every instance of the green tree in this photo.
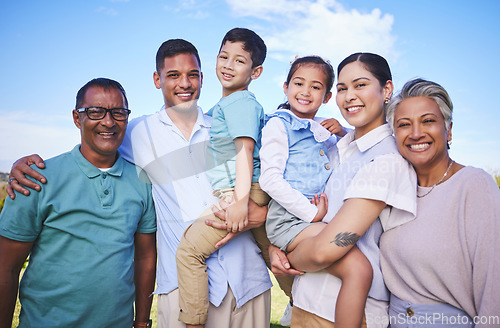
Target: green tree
(3, 194)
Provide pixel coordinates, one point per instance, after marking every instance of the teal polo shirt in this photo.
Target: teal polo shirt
(82, 223)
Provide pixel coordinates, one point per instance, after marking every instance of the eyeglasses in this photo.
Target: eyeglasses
(98, 113)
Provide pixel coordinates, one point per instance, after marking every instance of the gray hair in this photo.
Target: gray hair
(422, 88)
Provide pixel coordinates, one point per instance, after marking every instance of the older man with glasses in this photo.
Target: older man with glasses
(90, 232)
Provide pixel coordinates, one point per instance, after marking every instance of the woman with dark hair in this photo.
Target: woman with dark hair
(371, 189)
(444, 264)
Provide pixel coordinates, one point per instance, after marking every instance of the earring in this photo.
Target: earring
(449, 144)
(386, 101)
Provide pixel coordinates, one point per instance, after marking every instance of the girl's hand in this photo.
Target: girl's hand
(334, 127)
(322, 203)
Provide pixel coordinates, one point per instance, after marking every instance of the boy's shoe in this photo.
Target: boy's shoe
(286, 320)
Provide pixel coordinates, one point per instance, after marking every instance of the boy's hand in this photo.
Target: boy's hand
(322, 203)
(256, 218)
(334, 127)
(237, 216)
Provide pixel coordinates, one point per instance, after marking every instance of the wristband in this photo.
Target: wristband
(147, 324)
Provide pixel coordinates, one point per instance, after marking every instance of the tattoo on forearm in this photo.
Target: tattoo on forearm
(346, 239)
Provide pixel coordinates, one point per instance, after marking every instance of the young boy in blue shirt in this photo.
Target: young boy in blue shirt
(233, 153)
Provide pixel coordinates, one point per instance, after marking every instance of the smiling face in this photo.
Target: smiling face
(180, 82)
(100, 139)
(360, 98)
(234, 68)
(306, 90)
(421, 133)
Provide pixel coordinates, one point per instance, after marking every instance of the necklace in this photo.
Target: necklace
(440, 180)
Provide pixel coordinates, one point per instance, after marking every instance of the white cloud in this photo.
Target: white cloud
(107, 11)
(199, 14)
(192, 8)
(187, 4)
(268, 9)
(322, 27)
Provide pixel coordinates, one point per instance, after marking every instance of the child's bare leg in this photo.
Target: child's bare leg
(356, 274)
(310, 232)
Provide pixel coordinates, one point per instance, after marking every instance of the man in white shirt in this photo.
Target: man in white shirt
(170, 146)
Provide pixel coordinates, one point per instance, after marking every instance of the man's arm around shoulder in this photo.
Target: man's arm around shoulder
(17, 178)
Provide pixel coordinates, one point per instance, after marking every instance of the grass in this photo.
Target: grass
(279, 302)
(3, 194)
(278, 305)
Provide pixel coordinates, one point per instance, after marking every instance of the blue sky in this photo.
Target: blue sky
(49, 49)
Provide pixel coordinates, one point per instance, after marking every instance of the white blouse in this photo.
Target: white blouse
(388, 178)
(273, 159)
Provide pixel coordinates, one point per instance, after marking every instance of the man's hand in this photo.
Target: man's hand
(322, 203)
(256, 217)
(17, 178)
(334, 127)
(279, 263)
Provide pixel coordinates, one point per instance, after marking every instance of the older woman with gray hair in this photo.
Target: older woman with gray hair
(443, 268)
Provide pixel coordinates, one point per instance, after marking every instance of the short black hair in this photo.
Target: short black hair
(251, 43)
(173, 47)
(100, 82)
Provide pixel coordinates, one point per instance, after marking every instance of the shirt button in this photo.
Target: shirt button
(322, 153)
(221, 257)
(104, 176)
(327, 166)
(409, 312)
(106, 192)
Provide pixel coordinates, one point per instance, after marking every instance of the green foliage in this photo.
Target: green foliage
(4, 177)
(497, 179)
(3, 194)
